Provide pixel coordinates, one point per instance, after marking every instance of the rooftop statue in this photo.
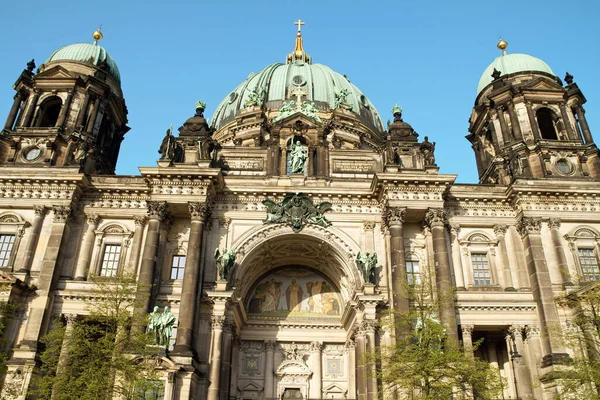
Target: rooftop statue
(160, 326)
(427, 148)
(341, 100)
(166, 147)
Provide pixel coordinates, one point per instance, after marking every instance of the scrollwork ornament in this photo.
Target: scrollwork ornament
(199, 211)
(454, 230)
(370, 326)
(529, 226)
(516, 331)
(157, 209)
(435, 217)
(554, 223)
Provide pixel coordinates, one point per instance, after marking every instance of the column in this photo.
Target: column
(351, 368)
(541, 286)
(191, 277)
(48, 278)
(156, 213)
(87, 246)
(514, 121)
(533, 350)
(64, 111)
(64, 348)
(459, 273)
(370, 368)
(522, 372)
(136, 247)
(14, 110)
(503, 126)
(82, 111)
(93, 114)
(567, 121)
(235, 364)
(269, 369)
(500, 231)
(274, 149)
(535, 130)
(361, 381)
(436, 220)
(585, 128)
(316, 386)
(563, 267)
(32, 103)
(36, 227)
(215, 362)
(467, 337)
(228, 329)
(395, 220)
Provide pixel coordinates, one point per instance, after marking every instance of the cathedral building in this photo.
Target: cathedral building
(299, 185)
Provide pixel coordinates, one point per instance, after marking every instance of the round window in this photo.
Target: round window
(298, 80)
(232, 97)
(564, 166)
(32, 153)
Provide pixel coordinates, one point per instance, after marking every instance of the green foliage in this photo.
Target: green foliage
(425, 363)
(101, 353)
(7, 311)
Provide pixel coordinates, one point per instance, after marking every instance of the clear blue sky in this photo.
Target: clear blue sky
(426, 56)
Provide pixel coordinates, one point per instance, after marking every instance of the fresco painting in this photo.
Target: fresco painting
(294, 292)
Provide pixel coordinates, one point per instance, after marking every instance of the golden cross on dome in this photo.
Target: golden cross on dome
(299, 23)
(298, 93)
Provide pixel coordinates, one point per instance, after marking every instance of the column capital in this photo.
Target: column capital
(316, 346)
(92, 219)
(529, 225)
(368, 225)
(156, 209)
(500, 230)
(40, 211)
(436, 217)
(218, 321)
(370, 326)
(70, 318)
(394, 216)
(62, 214)
(554, 223)
(199, 211)
(350, 345)
(140, 220)
(270, 345)
(516, 331)
(532, 331)
(467, 330)
(454, 229)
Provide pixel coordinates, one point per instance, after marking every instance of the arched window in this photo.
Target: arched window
(545, 120)
(49, 111)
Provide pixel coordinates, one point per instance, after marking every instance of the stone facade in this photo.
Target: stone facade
(296, 316)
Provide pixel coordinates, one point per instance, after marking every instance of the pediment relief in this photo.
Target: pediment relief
(542, 83)
(251, 387)
(293, 367)
(56, 72)
(583, 232)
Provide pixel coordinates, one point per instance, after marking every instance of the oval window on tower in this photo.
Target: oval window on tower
(298, 80)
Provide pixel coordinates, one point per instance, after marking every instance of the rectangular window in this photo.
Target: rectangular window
(481, 269)
(110, 260)
(177, 267)
(412, 272)
(6, 247)
(589, 265)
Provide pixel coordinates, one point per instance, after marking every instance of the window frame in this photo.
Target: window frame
(583, 238)
(110, 234)
(484, 260)
(412, 260)
(179, 267)
(14, 225)
(480, 242)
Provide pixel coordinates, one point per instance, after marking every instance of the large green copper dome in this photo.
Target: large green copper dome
(277, 82)
(510, 64)
(87, 53)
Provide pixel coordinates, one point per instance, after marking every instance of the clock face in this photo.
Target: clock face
(33, 153)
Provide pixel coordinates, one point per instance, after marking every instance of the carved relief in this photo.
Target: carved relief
(157, 210)
(529, 226)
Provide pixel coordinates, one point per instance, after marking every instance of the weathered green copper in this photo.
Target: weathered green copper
(225, 260)
(396, 110)
(160, 326)
(200, 104)
(298, 157)
(366, 264)
(510, 64)
(296, 210)
(87, 53)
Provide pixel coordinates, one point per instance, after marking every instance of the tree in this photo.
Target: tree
(99, 356)
(7, 311)
(424, 363)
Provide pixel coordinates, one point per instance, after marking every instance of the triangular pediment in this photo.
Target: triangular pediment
(542, 83)
(56, 72)
(251, 387)
(292, 119)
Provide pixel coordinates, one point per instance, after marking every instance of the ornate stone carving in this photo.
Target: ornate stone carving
(316, 346)
(467, 330)
(515, 331)
(217, 321)
(554, 223)
(61, 213)
(350, 345)
(297, 211)
(157, 210)
(140, 220)
(529, 226)
(435, 217)
(394, 216)
(92, 219)
(270, 345)
(199, 211)
(40, 211)
(9, 219)
(454, 230)
(292, 352)
(368, 225)
(500, 230)
(224, 222)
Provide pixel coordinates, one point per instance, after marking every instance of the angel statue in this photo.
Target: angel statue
(225, 260)
(274, 211)
(316, 216)
(367, 263)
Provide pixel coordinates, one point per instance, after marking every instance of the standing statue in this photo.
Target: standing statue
(160, 326)
(298, 157)
(80, 153)
(367, 263)
(165, 146)
(225, 261)
(427, 148)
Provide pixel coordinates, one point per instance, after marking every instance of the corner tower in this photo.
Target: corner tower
(70, 113)
(525, 124)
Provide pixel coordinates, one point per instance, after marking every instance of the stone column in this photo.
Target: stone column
(563, 267)
(136, 247)
(228, 329)
(467, 337)
(436, 220)
(215, 362)
(235, 364)
(585, 128)
(41, 305)
(316, 387)
(274, 149)
(522, 368)
(395, 220)
(535, 130)
(459, 275)
(503, 126)
(14, 110)
(541, 286)
(269, 369)
(192, 277)
(93, 114)
(514, 121)
(533, 349)
(82, 111)
(64, 348)
(36, 227)
(31, 108)
(87, 246)
(500, 231)
(351, 368)
(64, 111)
(361, 378)
(370, 368)
(566, 121)
(156, 213)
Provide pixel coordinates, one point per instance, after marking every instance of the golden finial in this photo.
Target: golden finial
(298, 53)
(97, 35)
(502, 45)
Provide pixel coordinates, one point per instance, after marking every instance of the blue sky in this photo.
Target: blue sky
(426, 56)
